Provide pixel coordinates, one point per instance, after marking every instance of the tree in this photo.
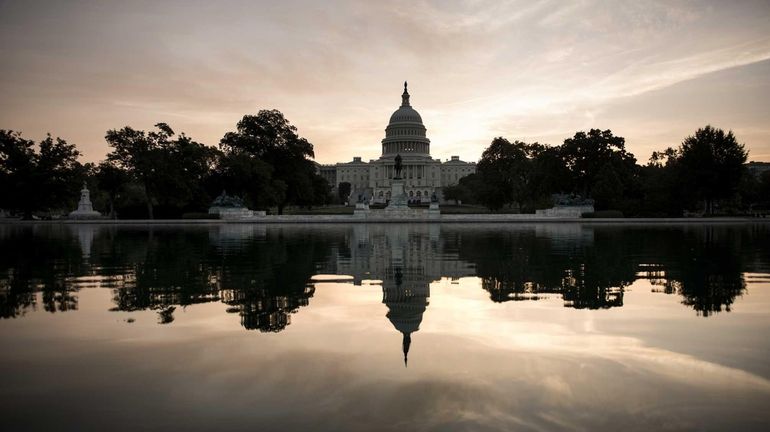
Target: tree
(322, 191)
(170, 171)
(111, 179)
(43, 180)
(454, 193)
(140, 154)
(586, 154)
(549, 174)
(504, 170)
(343, 189)
(711, 163)
(269, 137)
(243, 175)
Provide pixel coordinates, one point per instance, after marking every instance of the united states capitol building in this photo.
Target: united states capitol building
(423, 176)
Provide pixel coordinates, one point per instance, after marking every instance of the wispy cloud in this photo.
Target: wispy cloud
(528, 70)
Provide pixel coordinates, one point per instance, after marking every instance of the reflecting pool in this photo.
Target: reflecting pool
(385, 327)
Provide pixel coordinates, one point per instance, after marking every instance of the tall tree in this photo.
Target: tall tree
(140, 153)
(587, 154)
(111, 179)
(549, 174)
(269, 137)
(343, 190)
(712, 163)
(505, 168)
(38, 180)
(171, 170)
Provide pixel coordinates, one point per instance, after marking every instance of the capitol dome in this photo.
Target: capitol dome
(405, 133)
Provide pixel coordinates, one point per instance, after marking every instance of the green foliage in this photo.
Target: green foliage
(42, 180)
(457, 193)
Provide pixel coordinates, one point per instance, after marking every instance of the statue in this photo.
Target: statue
(85, 209)
(398, 167)
(227, 201)
(433, 198)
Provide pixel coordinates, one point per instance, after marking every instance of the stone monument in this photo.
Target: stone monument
(398, 200)
(433, 210)
(567, 206)
(85, 209)
(231, 207)
(362, 206)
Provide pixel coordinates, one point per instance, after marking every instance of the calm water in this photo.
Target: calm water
(397, 327)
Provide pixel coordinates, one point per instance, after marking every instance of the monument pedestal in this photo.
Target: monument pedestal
(362, 209)
(433, 210)
(398, 201)
(85, 208)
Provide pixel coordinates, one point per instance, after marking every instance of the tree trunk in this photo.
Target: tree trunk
(150, 213)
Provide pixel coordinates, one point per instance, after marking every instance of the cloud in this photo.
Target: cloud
(477, 69)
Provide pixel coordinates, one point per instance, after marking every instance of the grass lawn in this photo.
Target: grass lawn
(343, 210)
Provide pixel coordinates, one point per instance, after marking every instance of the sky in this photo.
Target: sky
(651, 71)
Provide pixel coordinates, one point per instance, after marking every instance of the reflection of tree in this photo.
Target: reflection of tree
(37, 259)
(264, 280)
(705, 266)
(264, 277)
(520, 265)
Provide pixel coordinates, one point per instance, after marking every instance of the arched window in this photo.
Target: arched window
(380, 194)
(419, 194)
(411, 194)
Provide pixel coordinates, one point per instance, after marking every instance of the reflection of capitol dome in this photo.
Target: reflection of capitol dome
(406, 305)
(406, 317)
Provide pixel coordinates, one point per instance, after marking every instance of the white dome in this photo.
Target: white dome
(405, 133)
(405, 114)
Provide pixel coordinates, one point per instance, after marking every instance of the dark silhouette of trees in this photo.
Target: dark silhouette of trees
(270, 138)
(171, 171)
(515, 173)
(112, 180)
(456, 193)
(46, 179)
(599, 166)
(343, 190)
(711, 164)
(549, 174)
(140, 154)
(503, 174)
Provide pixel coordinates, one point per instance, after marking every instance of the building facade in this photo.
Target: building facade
(405, 135)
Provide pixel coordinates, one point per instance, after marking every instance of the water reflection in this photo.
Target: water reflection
(264, 274)
(589, 349)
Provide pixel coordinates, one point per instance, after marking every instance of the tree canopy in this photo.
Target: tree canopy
(44, 178)
(269, 140)
(171, 171)
(711, 164)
